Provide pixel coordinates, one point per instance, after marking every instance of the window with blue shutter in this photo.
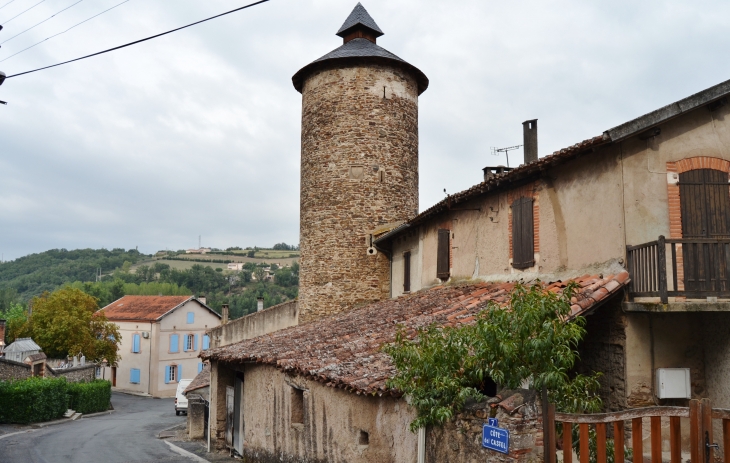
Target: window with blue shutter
(167, 374)
(206, 342)
(195, 342)
(200, 367)
(191, 317)
(174, 343)
(135, 344)
(134, 376)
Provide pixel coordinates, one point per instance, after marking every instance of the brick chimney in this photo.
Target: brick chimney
(529, 130)
(259, 304)
(224, 320)
(490, 172)
(203, 299)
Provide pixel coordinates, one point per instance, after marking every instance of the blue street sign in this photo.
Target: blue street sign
(493, 422)
(495, 438)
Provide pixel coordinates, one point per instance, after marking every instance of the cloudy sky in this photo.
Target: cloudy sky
(197, 133)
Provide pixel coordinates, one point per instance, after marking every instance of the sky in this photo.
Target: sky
(196, 134)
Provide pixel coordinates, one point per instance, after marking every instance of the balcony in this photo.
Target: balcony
(681, 269)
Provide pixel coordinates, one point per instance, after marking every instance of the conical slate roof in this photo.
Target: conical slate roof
(359, 17)
(358, 50)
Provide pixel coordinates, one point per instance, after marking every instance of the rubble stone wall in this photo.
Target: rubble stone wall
(359, 172)
(85, 373)
(13, 370)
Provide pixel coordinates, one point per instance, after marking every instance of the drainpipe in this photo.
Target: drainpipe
(421, 445)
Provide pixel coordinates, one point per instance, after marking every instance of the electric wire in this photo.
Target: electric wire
(11, 1)
(21, 14)
(63, 32)
(47, 19)
(141, 40)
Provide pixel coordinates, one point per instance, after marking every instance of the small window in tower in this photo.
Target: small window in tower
(381, 176)
(363, 438)
(356, 172)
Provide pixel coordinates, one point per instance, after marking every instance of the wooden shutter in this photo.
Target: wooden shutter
(407, 271)
(523, 233)
(443, 258)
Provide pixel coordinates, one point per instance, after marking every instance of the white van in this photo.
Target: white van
(181, 402)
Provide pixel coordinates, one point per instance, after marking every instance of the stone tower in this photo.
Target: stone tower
(359, 166)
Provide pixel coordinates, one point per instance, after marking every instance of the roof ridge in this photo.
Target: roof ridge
(359, 17)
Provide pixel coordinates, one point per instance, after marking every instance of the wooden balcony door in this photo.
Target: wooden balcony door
(705, 203)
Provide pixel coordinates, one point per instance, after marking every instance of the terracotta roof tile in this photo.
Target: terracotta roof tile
(142, 307)
(344, 350)
(200, 381)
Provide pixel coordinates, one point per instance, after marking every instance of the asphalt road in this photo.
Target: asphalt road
(129, 435)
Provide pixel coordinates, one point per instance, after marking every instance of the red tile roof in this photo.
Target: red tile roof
(143, 307)
(200, 381)
(344, 351)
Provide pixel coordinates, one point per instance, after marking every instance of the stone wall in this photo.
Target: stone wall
(256, 324)
(604, 350)
(359, 172)
(78, 374)
(13, 370)
(460, 441)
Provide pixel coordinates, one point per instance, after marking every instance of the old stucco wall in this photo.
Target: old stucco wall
(86, 373)
(332, 425)
(256, 324)
(359, 171)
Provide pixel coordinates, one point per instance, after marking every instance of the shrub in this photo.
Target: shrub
(32, 400)
(90, 397)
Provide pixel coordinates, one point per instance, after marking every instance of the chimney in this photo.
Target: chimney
(490, 172)
(529, 130)
(260, 303)
(225, 314)
(202, 299)
(2, 335)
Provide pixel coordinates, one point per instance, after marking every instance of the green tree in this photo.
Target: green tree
(260, 274)
(526, 342)
(66, 322)
(16, 316)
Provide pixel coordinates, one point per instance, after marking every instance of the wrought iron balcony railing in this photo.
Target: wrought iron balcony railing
(691, 268)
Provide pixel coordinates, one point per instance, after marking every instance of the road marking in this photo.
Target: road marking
(185, 453)
(16, 433)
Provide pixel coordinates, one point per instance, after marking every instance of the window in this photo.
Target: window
(443, 257)
(523, 233)
(297, 406)
(206, 342)
(172, 373)
(174, 343)
(191, 318)
(407, 272)
(134, 376)
(98, 372)
(363, 438)
(200, 367)
(135, 343)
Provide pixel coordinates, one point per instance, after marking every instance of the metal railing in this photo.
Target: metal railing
(696, 268)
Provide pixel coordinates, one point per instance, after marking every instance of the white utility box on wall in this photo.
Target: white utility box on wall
(673, 383)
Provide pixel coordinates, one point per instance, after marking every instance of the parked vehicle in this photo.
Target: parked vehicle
(181, 402)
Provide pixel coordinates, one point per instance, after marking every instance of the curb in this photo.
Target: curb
(52, 423)
(185, 453)
(137, 394)
(91, 415)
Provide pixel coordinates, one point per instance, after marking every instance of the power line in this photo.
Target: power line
(52, 16)
(21, 14)
(142, 40)
(11, 1)
(63, 32)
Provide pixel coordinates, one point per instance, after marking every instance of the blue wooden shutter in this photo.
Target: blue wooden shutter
(191, 317)
(206, 342)
(200, 367)
(134, 376)
(185, 342)
(195, 342)
(167, 374)
(135, 343)
(174, 343)
(179, 373)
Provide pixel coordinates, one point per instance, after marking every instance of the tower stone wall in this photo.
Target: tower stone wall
(359, 172)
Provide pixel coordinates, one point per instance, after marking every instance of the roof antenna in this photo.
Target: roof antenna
(496, 151)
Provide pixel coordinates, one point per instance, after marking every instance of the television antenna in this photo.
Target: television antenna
(496, 151)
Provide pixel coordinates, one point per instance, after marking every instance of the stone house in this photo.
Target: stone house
(638, 216)
(161, 339)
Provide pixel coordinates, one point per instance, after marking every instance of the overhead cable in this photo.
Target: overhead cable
(21, 14)
(11, 1)
(63, 32)
(47, 19)
(142, 40)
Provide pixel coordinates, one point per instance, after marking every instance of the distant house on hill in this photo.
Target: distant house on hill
(161, 339)
(198, 251)
(235, 266)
